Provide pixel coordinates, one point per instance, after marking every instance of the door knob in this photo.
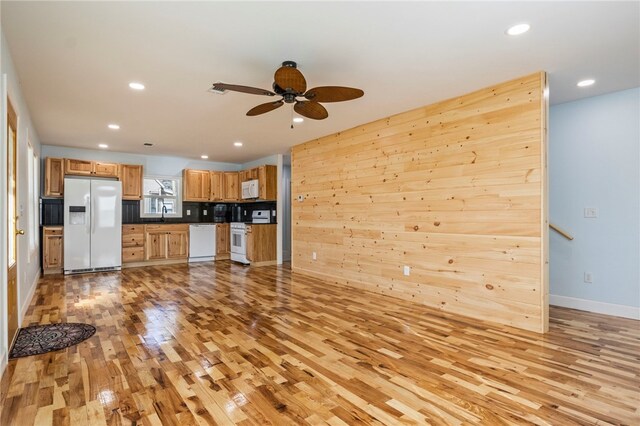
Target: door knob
(19, 231)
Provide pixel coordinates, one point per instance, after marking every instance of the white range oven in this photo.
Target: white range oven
(239, 242)
(239, 235)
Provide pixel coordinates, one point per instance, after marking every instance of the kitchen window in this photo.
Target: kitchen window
(161, 193)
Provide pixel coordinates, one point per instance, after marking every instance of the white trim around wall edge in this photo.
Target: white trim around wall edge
(623, 311)
(27, 300)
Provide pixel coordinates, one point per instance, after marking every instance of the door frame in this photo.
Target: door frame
(10, 110)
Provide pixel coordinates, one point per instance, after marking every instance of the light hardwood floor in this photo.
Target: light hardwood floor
(224, 344)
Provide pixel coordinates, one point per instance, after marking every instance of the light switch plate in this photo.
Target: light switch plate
(588, 277)
(314, 256)
(204, 212)
(590, 212)
(188, 212)
(407, 270)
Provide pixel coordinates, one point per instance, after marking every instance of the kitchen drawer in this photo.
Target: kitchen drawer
(53, 230)
(132, 229)
(167, 228)
(132, 240)
(132, 254)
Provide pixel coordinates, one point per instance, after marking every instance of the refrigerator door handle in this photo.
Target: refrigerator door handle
(93, 221)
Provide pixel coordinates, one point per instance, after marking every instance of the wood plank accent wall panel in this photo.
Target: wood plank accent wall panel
(455, 190)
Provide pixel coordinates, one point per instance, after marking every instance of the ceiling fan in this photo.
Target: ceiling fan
(291, 85)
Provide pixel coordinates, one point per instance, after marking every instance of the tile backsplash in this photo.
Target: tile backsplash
(52, 211)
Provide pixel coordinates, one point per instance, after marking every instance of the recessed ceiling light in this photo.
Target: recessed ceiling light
(103, 145)
(518, 29)
(298, 120)
(585, 83)
(113, 126)
(237, 144)
(204, 157)
(136, 86)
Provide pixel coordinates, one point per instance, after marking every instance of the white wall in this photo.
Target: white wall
(594, 161)
(153, 164)
(28, 263)
(271, 160)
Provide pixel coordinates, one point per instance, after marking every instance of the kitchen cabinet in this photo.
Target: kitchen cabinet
(267, 182)
(78, 167)
(223, 241)
(261, 244)
(216, 186)
(196, 184)
(155, 245)
(231, 186)
(249, 174)
(166, 242)
(53, 177)
(52, 249)
(177, 244)
(105, 169)
(132, 243)
(131, 176)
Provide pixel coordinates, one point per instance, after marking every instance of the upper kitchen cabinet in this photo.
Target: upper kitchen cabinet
(90, 168)
(216, 186)
(267, 181)
(55, 169)
(249, 174)
(196, 184)
(105, 169)
(78, 167)
(53, 177)
(131, 176)
(231, 185)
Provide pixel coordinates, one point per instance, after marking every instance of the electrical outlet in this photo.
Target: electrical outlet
(588, 277)
(204, 212)
(590, 212)
(407, 270)
(314, 256)
(188, 212)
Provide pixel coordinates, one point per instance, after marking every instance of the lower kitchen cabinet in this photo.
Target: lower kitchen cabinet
(52, 249)
(166, 242)
(223, 241)
(132, 243)
(177, 244)
(261, 244)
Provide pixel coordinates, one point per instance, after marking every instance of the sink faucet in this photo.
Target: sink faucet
(164, 210)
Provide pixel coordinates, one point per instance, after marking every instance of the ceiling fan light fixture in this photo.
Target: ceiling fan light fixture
(238, 144)
(136, 86)
(298, 119)
(113, 126)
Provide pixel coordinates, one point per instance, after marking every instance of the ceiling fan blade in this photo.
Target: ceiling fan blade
(262, 108)
(333, 94)
(289, 77)
(311, 110)
(221, 87)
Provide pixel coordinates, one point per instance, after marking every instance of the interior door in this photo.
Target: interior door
(12, 217)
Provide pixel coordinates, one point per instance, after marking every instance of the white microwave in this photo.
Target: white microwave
(250, 189)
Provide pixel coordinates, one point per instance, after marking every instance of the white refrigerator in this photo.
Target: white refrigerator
(92, 225)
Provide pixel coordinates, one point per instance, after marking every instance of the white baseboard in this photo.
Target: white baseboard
(27, 301)
(4, 359)
(623, 311)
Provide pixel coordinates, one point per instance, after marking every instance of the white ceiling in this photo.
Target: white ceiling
(75, 61)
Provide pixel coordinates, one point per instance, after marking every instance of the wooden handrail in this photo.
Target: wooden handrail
(560, 231)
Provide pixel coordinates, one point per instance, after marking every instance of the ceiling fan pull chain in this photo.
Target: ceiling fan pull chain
(291, 117)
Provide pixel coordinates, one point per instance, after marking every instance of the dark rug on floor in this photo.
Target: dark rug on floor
(40, 339)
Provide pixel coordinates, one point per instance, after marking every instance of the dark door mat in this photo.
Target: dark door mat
(40, 339)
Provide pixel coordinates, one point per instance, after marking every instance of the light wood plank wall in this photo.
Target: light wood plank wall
(456, 190)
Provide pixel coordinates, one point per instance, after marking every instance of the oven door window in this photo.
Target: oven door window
(236, 239)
